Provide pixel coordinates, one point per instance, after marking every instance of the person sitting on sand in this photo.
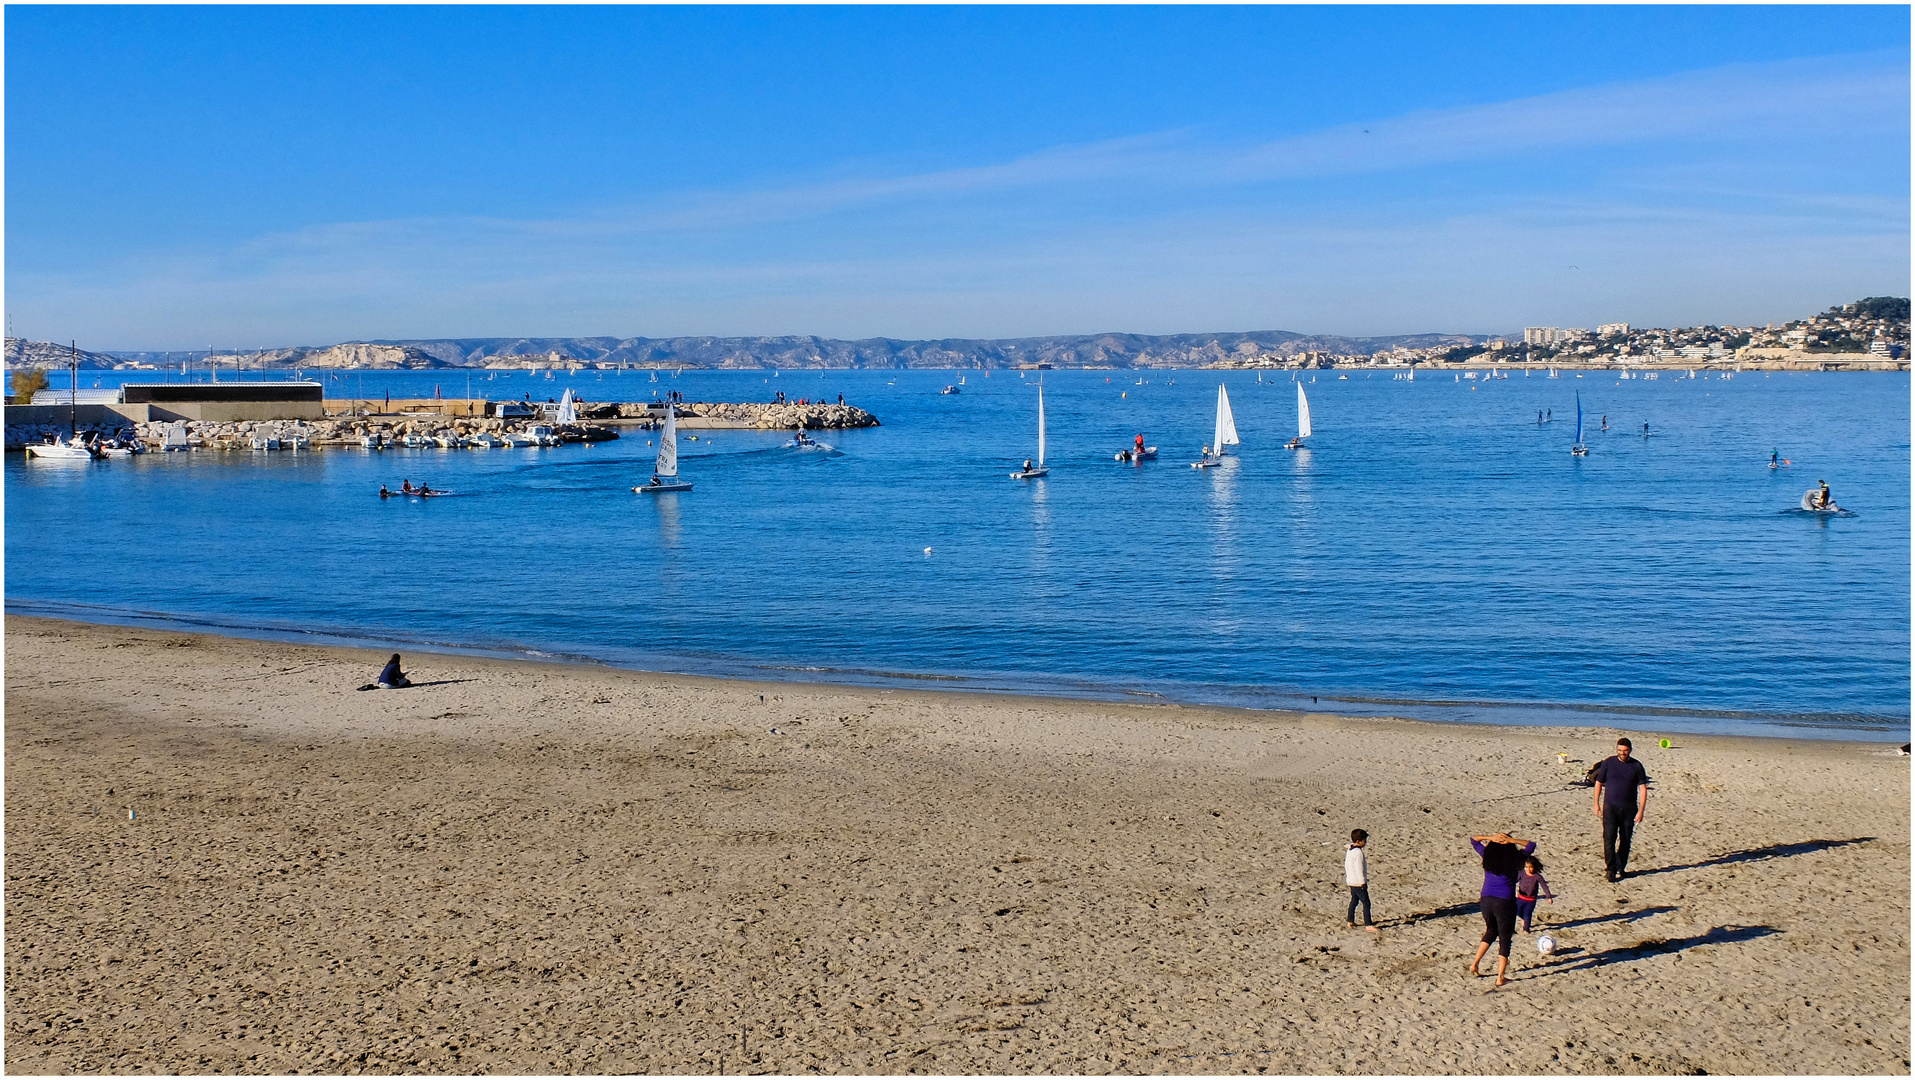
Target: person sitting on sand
(390, 677)
(1502, 864)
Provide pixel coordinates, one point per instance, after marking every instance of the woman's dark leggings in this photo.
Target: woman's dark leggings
(1499, 921)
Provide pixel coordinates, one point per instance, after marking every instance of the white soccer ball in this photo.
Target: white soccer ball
(1545, 944)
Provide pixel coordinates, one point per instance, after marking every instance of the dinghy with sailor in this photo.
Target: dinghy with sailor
(665, 469)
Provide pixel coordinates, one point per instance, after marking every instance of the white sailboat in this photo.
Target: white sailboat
(1033, 471)
(665, 469)
(1303, 422)
(1580, 449)
(568, 409)
(1226, 433)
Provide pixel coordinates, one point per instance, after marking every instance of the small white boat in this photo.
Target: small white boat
(414, 441)
(484, 440)
(951, 389)
(265, 438)
(373, 440)
(1030, 471)
(1226, 433)
(536, 435)
(296, 438)
(1303, 422)
(665, 468)
(1812, 502)
(447, 439)
(72, 450)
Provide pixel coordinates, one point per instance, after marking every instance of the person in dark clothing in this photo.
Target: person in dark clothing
(1622, 797)
(390, 677)
(1502, 856)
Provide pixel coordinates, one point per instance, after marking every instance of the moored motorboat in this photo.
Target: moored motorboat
(72, 450)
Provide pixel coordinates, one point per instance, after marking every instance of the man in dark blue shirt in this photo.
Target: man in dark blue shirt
(1622, 796)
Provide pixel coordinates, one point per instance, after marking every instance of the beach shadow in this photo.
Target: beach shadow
(1615, 916)
(416, 685)
(1470, 908)
(1761, 854)
(1530, 794)
(1576, 960)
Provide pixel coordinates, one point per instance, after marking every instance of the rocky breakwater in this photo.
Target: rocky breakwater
(214, 435)
(727, 414)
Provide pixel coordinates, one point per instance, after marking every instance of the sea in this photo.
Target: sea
(1435, 552)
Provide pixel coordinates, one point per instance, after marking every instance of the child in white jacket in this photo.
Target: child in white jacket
(1356, 874)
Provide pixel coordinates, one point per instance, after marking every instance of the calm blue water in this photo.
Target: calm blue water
(1435, 553)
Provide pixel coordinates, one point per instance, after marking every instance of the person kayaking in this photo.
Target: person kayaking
(405, 486)
(422, 489)
(383, 493)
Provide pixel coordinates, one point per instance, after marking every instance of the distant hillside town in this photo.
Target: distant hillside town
(1869, 334)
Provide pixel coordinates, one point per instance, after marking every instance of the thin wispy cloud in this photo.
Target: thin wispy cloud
(1150, 228)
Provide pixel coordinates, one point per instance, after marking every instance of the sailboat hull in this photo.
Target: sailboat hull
(1029, 474)
(653, 489)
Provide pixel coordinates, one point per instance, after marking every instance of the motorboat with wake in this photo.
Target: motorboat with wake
(1226, 433)
(1033, 471)
(665, 469)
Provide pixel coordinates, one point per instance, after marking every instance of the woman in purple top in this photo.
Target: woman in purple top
(1502, 862)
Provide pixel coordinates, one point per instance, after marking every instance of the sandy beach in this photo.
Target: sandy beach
(220, 859)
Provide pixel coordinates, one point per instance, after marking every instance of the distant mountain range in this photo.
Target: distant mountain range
(1083, 350)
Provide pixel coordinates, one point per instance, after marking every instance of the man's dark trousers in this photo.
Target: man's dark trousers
(1618, 828)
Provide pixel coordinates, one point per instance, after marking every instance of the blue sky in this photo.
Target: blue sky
(178, 177)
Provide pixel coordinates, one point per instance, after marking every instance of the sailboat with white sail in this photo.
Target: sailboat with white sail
(1032, 471)
(1303, 421)
(568, 409)
(1581, 449)
(1226, 433)
(665, 469)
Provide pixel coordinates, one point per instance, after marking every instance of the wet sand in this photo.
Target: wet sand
(517, 867)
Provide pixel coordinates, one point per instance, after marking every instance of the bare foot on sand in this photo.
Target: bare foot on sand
(1371, 929)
